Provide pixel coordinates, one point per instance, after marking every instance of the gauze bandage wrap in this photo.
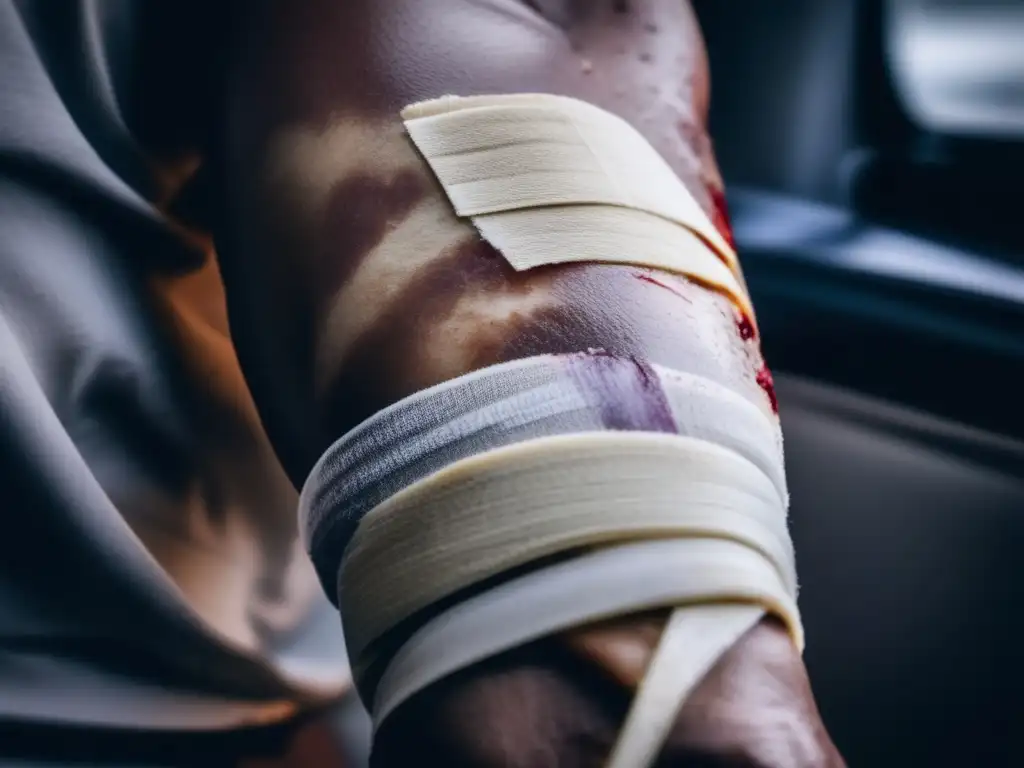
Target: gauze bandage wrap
(513, 464)
(544, 494)
(507, 404)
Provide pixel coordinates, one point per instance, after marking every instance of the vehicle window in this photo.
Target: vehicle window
(959, 64)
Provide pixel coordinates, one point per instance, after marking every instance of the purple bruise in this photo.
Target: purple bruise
(625, 389)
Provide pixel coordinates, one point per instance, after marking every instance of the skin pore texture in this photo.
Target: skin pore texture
(359, 286)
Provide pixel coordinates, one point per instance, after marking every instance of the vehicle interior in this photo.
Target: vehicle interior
(871, 151)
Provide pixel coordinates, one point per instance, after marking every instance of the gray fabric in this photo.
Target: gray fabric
(124, 502)
(346, 723)
(496, 407)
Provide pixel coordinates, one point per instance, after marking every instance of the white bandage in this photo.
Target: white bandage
(706, 526)
(668, 520)
(511, 464)
(494, 512)
(549, 180)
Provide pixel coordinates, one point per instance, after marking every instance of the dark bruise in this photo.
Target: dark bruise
(625, 389)
(361, 209)
(391, 360)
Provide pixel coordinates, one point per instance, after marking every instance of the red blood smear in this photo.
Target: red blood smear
(655, 281)
(765, 382)
(720, 215)
(745, 328)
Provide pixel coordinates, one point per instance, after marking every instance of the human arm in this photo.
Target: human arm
(352, 285)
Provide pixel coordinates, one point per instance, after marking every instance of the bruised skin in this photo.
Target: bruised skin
(359, 286)
(372, 239)
(408, 295)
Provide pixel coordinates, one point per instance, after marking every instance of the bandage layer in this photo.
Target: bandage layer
(708, 527)
(512, 506)
(505, 404)
(676, 499)
(549, 179)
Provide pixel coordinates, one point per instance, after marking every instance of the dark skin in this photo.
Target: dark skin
(305, 66)
(553, 705)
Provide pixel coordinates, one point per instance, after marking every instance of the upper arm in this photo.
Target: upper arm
(378, 289)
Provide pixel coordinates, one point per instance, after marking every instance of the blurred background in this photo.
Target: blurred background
(959, 64)
(874, 151)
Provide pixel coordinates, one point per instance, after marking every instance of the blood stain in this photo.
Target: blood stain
(720, 215)
(765, 382)
(745, 327)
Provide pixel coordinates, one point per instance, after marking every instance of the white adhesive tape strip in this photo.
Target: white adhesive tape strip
(500, 153)
(496, 511)
(504, 160)
(599, 233)
(594, 586)
(693, 641)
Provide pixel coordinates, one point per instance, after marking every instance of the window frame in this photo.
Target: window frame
(956, 185)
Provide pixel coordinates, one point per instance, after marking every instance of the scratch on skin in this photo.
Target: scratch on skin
(646, 277)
